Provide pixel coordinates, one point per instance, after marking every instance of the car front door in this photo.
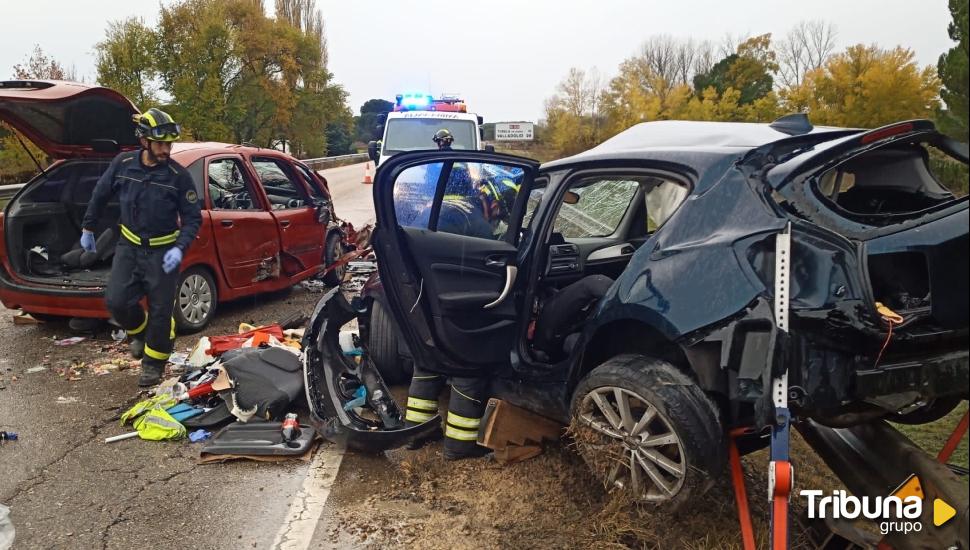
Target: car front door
(448, 226)
(246, 236)
(302, 235)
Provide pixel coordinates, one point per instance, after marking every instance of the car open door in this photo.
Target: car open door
(448, 226)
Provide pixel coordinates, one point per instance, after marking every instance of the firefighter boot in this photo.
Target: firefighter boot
(151, 372)
(136, 347)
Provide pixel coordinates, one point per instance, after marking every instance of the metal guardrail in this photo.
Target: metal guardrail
(8, 191)
(324, 162)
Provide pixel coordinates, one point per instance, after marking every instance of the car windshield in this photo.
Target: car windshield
(409, 134)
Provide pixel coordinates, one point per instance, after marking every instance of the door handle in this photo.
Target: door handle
(284, 223)
(495, 261)
(226, 223)
(510, 272)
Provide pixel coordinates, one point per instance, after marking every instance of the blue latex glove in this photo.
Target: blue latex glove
(87, 241)
(172, 259)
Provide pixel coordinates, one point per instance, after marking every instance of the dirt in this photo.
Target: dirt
(417, 499)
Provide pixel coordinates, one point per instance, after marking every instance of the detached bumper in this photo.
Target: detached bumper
(332, 379)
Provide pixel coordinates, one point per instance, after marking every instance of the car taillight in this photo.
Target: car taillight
(888, 131)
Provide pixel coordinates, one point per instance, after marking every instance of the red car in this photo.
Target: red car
(267, 221)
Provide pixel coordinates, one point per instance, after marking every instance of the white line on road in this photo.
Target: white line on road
(307, 507)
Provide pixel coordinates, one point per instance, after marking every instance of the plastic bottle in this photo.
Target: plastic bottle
(290, 428)
(8, 436)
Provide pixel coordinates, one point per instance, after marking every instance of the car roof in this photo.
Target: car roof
(673, 139)
(187, 152)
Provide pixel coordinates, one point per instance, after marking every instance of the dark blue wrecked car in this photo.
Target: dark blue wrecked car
(713, 258)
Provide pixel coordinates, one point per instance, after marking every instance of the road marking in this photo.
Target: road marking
(307, 507)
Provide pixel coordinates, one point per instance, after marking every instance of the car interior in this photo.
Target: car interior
(883, 183)
(601, 222)
(43, 226)
(281, 189)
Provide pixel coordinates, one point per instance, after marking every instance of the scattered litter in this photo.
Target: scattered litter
(8, 436)
(70, 341)
(314, 285)
(361, 267)
(199, 435)
(32, 370)
(128, 435)
(7, 531)
(61, 400)
(350, 343)
(118, 334)
(360, 398)
(24, 318)
(179, 358)
(199, 356)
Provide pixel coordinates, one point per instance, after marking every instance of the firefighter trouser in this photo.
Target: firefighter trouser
(137, 272)
(465, 408)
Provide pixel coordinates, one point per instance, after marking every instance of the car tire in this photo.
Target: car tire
(934, 410)
(382, 346)
(663, 445)
(332, 253)
(196, 298)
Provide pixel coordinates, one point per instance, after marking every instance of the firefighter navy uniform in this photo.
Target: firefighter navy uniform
(160, 209)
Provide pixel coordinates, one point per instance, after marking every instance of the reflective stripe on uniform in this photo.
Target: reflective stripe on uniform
(418, 416)
(454, 389)
(156, 354)
(140, 328)
(460, 434)
(463, 421)
(154, 241)
(171, 335)
(422, 404)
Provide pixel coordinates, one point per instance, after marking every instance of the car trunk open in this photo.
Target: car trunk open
(44, 222)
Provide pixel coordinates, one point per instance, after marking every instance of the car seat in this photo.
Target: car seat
(78, 258)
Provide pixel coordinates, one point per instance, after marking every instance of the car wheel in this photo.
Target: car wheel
(333, 252)
(934, 410)
(646, 428)
(382, 346)
(195, 301)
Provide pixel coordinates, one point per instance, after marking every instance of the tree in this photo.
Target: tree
(806, 47)
(572, 115)
(304, 16)
(367, 122)
(866, 87)
(954, 75)
(42, 67)
(125, 61)
(748, 71)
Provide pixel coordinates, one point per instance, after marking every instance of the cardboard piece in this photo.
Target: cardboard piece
(514, 433)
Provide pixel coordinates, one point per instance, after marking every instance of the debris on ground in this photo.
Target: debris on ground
(32, 370)
(515, 434)
(24, 318)
(61, 400)
(359, 272)
(70, 341)
(313, 285)
(8, 436)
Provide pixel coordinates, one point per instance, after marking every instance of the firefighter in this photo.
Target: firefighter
(443, 139)
(160, 216)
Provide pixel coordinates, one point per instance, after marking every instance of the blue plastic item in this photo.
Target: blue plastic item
(199, 435)
(360, 397)
(182, 411)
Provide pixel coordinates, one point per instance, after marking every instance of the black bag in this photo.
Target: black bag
(267, 378)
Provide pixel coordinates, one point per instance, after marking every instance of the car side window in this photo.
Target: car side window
(663, 198)
(414, 192)
(478, 199)
(229, 186)
(316, 190)
(282, 190)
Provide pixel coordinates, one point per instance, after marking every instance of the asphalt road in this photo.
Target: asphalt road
(66, 488)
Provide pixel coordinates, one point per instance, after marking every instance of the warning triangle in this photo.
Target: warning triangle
(942, 512)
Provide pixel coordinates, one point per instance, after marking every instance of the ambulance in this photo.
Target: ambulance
(415, 119)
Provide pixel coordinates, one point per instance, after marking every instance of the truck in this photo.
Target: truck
(416, 117)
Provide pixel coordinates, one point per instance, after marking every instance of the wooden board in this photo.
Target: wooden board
(514, 433)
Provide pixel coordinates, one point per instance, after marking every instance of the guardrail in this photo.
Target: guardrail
(8, 191)
(327, 162)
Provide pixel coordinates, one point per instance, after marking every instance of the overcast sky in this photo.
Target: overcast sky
(505, 57)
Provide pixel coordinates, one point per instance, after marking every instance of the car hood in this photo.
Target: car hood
(68, 119)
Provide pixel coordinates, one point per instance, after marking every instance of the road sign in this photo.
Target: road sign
(513, 131)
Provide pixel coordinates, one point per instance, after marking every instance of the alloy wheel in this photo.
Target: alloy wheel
(651, 462)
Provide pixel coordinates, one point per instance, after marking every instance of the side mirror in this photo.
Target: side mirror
(570, 197)
(489, 148)
(374, 151)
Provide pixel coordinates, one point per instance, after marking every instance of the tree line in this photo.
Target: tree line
(758, 79)
(224, 70)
